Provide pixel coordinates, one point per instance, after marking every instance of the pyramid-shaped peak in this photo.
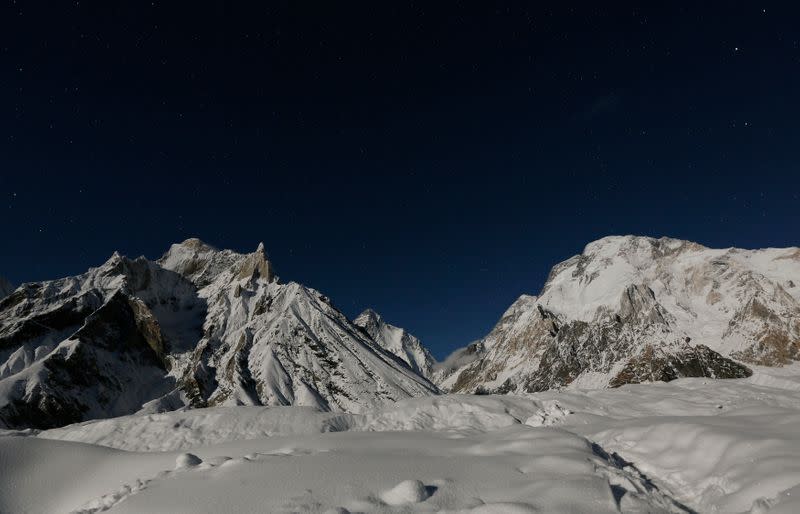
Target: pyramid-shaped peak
(114, 259)
(368, 318)
(369, 312)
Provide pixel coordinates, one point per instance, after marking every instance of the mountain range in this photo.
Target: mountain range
(204, 327)
(198, 327)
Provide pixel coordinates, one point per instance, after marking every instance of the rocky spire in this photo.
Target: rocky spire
(256, 265)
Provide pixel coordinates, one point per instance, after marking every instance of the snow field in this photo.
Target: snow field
(692, 445)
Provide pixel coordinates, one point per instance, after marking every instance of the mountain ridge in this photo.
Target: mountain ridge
(205, 326)
(398, 341)
(635, 308)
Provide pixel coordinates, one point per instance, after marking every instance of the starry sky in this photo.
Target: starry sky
(430, 161)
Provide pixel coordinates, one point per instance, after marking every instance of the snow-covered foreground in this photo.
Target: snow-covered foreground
(689, 445)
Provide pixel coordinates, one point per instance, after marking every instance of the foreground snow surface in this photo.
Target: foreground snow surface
(692, 445)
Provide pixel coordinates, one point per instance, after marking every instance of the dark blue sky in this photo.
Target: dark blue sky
(430, 162)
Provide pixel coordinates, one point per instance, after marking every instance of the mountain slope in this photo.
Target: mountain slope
(397, 341)
(198, 327)
(267, 343)
(632, 309)
(91, 345)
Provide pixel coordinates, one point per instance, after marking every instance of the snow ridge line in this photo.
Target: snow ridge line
(632, 476)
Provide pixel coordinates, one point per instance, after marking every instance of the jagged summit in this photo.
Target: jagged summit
(198, 327)
(631, 241)
(634, 308)
(368, 317)
(196, 244)
(202, 263)
(397, 341)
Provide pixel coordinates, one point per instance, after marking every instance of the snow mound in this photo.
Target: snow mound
(551, 413)
(407, 491)
(178, 430)
(185, 429)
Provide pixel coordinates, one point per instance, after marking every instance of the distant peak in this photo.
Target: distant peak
(115, 258)
(196, 244)
(370, 312)
(260, 248)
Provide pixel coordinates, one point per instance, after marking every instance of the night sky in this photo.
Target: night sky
(430, 161)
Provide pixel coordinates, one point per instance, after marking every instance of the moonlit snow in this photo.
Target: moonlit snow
(110, 402)
(691, 445)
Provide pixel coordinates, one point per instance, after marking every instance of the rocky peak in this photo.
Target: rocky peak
(196, 245)
(397, 341)
(255, 265)
(201, 263)
(368, 319)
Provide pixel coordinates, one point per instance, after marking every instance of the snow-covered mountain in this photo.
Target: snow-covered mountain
(397, 341)
(632, 309)
(208, 327)
(5, 287)
(198, 327)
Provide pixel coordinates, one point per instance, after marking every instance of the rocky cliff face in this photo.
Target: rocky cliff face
(198, 327)
(397, 341)
(632, 309)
